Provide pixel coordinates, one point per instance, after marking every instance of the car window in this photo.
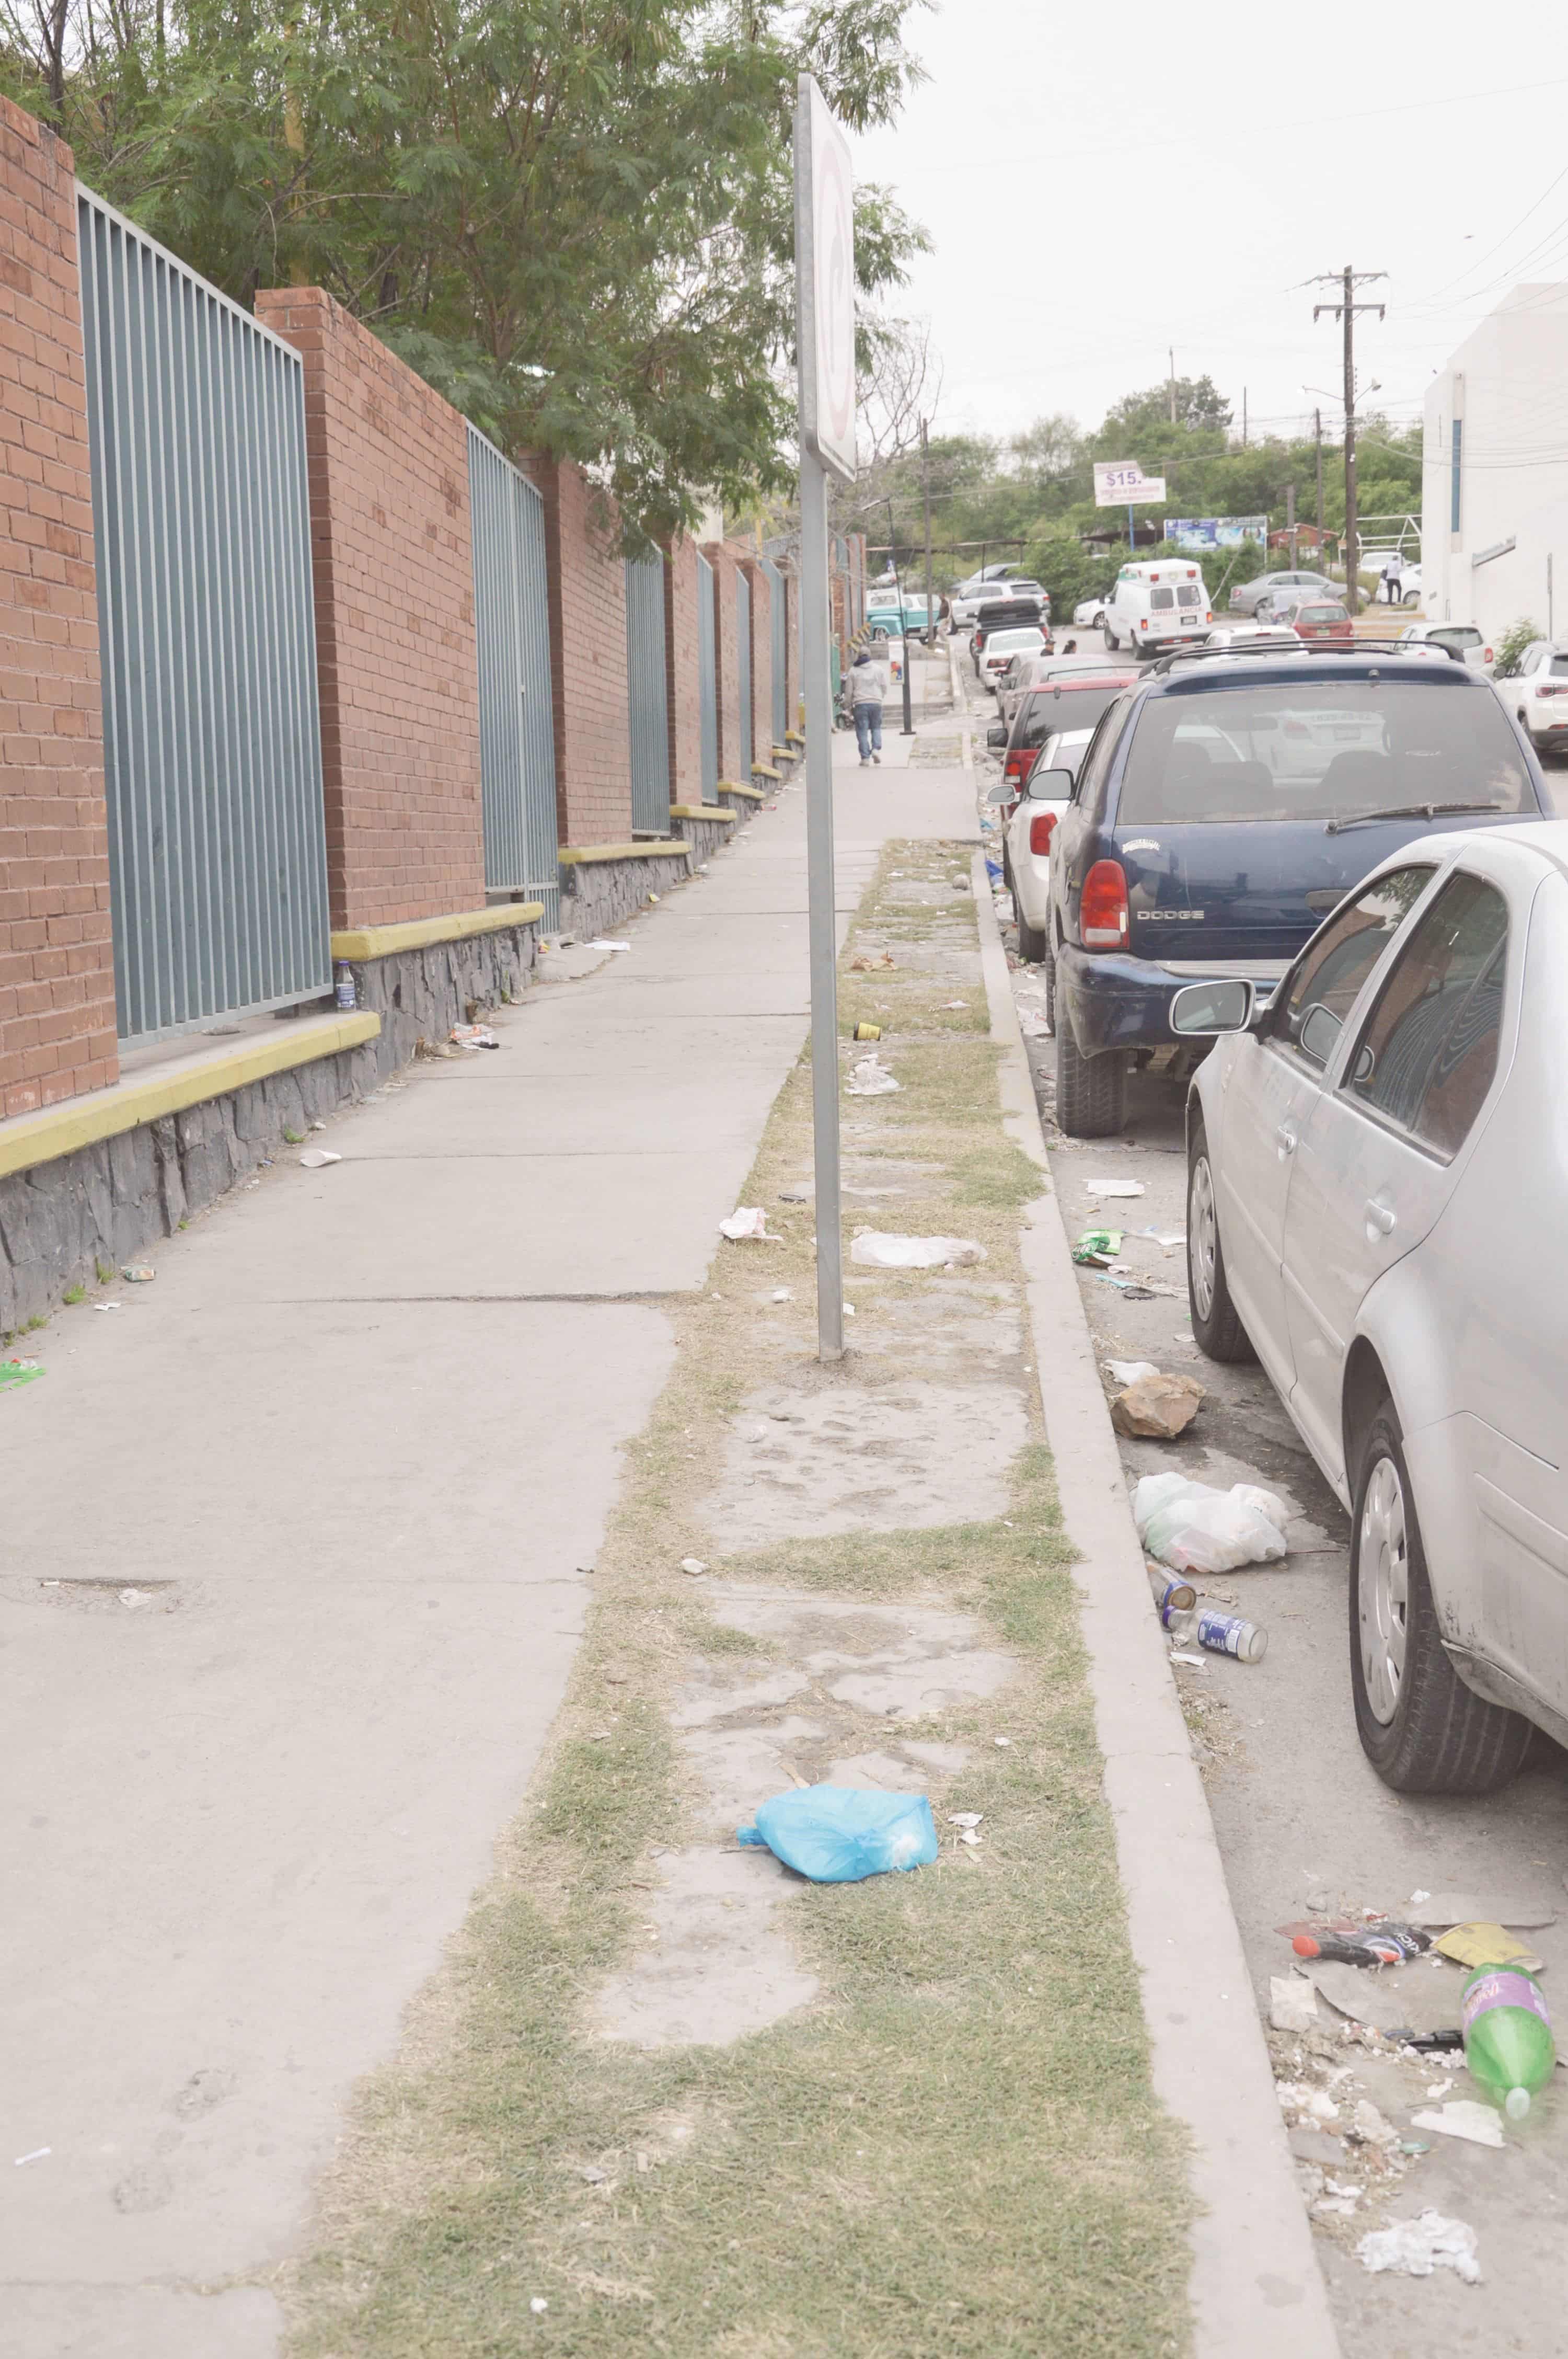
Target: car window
(1318, 995)
(1558, 667)
(1091, 790)
(1189, 594)
(1456, 635)
(1426, 1057)
(1324, 613)
(1049, 710)
(1162, 598)
(1317, 749)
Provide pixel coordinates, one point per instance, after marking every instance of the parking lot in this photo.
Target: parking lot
(1301, 1818)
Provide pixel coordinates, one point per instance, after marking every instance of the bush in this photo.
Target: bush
(1061, 564)
(1512, 645)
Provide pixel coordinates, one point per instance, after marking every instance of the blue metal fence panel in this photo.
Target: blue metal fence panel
(212, 727)
(707, 680)
(779, 643)
(516, 722)
(647, 698)
(743, 667)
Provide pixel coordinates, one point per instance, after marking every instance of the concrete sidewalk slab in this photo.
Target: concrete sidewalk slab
(240, 1816)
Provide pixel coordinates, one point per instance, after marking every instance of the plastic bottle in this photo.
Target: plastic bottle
(1509, 2045)
(1227, 1634)
(346, 995)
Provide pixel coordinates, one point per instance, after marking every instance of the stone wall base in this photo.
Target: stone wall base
(705, 836)
(599, 893)
(74, 1221)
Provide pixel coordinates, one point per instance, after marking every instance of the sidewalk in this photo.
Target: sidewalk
(293, 1574)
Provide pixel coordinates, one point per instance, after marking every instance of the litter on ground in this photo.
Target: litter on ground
(1114, 1187)
(1414, 2248)
(877, 1249)
(870, 1079)
(474, 1035)
(693, 1564)
(138, 1273)
(315, 1158)
(840, 1834)
(1462, 2117)
(745, 1223)
(19, 1372)
(1200, 1530)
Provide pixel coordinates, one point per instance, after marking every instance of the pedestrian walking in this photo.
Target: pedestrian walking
(868, 682)
(1394, 573)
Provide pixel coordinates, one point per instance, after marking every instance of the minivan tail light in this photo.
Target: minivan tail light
(1486, 655)
(1042, 828)
(1102, 912)
(1143, 625)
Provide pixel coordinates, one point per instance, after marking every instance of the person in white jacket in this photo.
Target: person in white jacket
(868, 686)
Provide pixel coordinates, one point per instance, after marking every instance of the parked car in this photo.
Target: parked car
(997, 648)
(1089, 614)
(1240, 635)
(966, 604)
(1032, 822)
(1409, 586)
(1537, 693)
(1020, 586)
(1224, 806)
(1316, 618)
(1028, 671)
(1246, 596)
(1067, 696)
(883, 612)
(1152, 607)
(1375, 1172)
(1461, 639)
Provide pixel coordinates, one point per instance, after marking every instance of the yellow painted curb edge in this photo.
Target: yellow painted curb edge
(703, 810)
(30, 1138)
(420, 933)
(752, 794)
(673, 848)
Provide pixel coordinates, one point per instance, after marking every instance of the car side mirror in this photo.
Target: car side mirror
(1320, 1030)
(1052, 786)
(997, 737)
(1202, 1011)
(1003, 794)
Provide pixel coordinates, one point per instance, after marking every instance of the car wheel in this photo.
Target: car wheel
(1413, 599)
(1091, 1091)
(1112, 642)
(1031, 941)
(1217, 1322)
(1423, 1730)
(1050, 985)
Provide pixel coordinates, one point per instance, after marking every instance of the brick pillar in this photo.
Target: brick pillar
(588, 656)
(792, 648)
(761, 661)
(726, 651)
(392, 562)
(57, 960)
(682, 689)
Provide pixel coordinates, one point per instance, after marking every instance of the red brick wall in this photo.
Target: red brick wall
(727, 649)
(762, 662)
(588, 656)
(395, 625)
(680, 672)
(56, 973)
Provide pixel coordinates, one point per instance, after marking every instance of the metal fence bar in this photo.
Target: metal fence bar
(743, 668)
(212, 730)
(516, 720)
(778, 619)
(647, 698)
(707, 680)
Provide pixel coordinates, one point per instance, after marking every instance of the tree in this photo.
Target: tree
(573, 217)
(1200, 409)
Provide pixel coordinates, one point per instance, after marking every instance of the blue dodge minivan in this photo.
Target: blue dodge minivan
(1225, 807)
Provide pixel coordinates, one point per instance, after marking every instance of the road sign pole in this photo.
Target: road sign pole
(825, 341)
(1131, 534)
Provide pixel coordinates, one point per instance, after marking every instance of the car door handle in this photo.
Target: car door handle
(1285, 1139)
(1379, 1219)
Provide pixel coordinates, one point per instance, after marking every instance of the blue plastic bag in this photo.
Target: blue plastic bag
(836, 1834)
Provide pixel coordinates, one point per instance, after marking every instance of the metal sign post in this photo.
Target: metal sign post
(825, 341)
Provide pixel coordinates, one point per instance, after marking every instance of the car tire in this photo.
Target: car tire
(1050, 964)
(1091, 1091)
(1031, 941)
(1112, 642)
(1217, 1322)
(1423, 1730)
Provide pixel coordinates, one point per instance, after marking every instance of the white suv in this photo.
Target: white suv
(1536, 694)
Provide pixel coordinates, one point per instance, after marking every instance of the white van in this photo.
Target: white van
(1157, 606)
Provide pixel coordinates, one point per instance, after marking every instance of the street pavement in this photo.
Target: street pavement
(1297, 1809)
(293, 1574)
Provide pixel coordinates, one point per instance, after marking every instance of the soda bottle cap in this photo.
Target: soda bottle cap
(1516, 2104)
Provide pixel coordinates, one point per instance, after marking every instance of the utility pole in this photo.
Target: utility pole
(1171, 356)
(1346, 310)
(1317, 432)
(1291, 520)
(929, 634)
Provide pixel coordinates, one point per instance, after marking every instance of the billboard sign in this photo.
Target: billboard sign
(1201, 533)
(1122, 484)
(825, 274)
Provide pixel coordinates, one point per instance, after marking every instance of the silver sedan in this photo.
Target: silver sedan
(1378, 1164)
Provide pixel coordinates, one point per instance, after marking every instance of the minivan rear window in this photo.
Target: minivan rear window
(1318, 749)
(1189, 594)
(1044, 712)
(1456, 635)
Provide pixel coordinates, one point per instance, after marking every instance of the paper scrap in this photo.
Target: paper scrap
(1463, 2119)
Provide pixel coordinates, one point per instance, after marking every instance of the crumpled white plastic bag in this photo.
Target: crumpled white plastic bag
(746, 1220)
(1196, 1528)
(1413, 2248)
(870, 1079)
(876, 1249)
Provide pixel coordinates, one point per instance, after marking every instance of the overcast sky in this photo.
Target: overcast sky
(1101, 186)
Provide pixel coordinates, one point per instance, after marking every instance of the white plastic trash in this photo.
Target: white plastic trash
(745, 1221)
(1196, 1528)
(315, 1158)
(869, 1080)
(873, 1249)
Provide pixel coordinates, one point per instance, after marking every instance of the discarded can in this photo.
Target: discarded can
(1227, 1634)
(138, 1273)
(1173, 1597)
(347, 996)
(868, 1031)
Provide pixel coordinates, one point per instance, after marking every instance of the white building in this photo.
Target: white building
(1495, 471)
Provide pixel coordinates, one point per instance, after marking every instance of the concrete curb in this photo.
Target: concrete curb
(1255, 2283)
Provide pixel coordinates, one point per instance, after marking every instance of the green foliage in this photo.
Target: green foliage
(577, 221)
(73, 1295)
(1070, 571)
(1512, 645)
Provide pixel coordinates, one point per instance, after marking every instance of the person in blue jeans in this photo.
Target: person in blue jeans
(867, 685)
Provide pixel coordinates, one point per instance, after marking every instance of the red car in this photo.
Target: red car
(1074, 701)
(1317, 618)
